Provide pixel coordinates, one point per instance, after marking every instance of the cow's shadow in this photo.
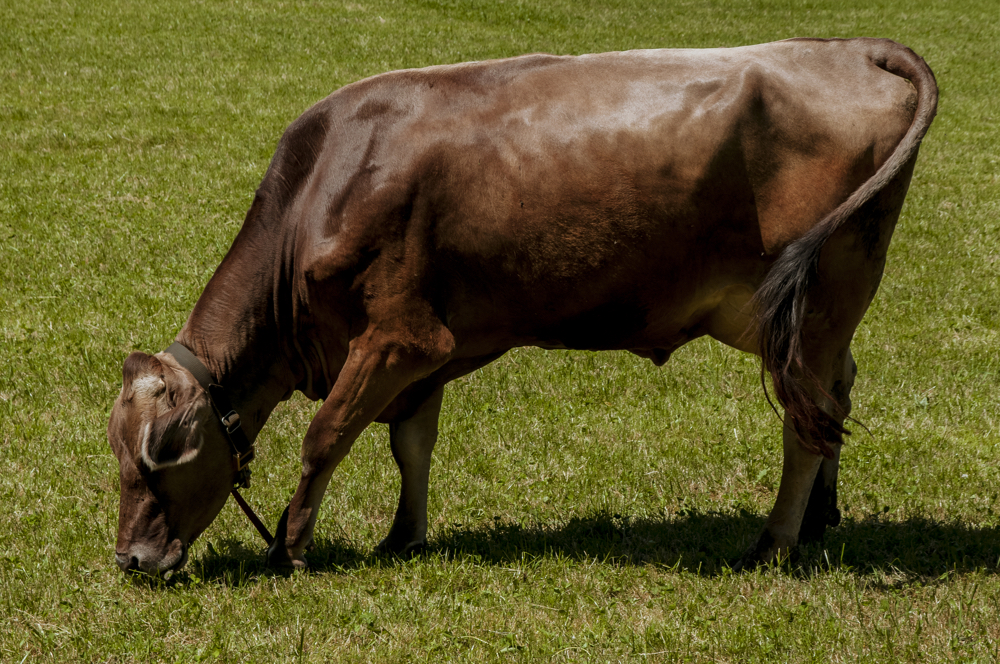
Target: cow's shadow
(707, 543)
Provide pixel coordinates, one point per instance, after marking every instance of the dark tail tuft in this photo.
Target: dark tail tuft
(780, 311)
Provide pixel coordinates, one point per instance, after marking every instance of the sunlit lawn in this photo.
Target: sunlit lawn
(584, 507)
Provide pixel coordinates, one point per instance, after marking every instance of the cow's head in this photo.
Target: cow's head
(174, 462)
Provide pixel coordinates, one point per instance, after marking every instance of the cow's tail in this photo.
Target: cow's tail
(780, 300)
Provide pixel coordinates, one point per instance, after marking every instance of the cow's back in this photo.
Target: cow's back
(600, 201)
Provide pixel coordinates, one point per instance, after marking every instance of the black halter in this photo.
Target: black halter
(243, 448)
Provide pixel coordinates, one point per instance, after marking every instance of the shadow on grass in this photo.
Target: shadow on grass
(707, 543)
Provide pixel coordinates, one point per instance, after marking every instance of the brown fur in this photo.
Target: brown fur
(782, 300)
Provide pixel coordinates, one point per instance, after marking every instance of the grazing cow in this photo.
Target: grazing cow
(414, 226)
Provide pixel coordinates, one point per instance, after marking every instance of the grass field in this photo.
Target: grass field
(584, 507)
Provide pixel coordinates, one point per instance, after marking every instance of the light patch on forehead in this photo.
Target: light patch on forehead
(148, 386)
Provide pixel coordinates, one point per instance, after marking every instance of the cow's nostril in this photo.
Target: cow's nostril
(126, 562)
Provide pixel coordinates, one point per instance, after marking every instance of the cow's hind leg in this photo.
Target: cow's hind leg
(412, 441)
(822, 509)
(381, 363)
(803, 510)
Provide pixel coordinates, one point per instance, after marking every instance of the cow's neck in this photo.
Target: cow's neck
(234, 330)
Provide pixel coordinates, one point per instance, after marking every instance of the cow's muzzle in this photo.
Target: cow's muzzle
(140, 558)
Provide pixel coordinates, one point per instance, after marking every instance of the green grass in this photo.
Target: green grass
(584, 507)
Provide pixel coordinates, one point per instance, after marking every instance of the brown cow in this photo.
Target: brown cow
(414, 226)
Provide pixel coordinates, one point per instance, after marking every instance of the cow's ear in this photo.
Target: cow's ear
(173, 438)
(142, 375)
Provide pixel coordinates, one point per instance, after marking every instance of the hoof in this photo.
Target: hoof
(812, 533)
(764, 552)
(278, 555)
(279, 558)
(832, 517)
(385, 548)
(814, 527)
(287, 563)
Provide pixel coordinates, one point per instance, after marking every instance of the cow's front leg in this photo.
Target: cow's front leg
(412, 441)
(377, 370)
(781, 531)
(326, 444)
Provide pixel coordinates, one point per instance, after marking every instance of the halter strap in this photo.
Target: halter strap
(243, 447)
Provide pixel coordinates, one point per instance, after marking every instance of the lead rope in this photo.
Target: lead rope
(254, 519)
